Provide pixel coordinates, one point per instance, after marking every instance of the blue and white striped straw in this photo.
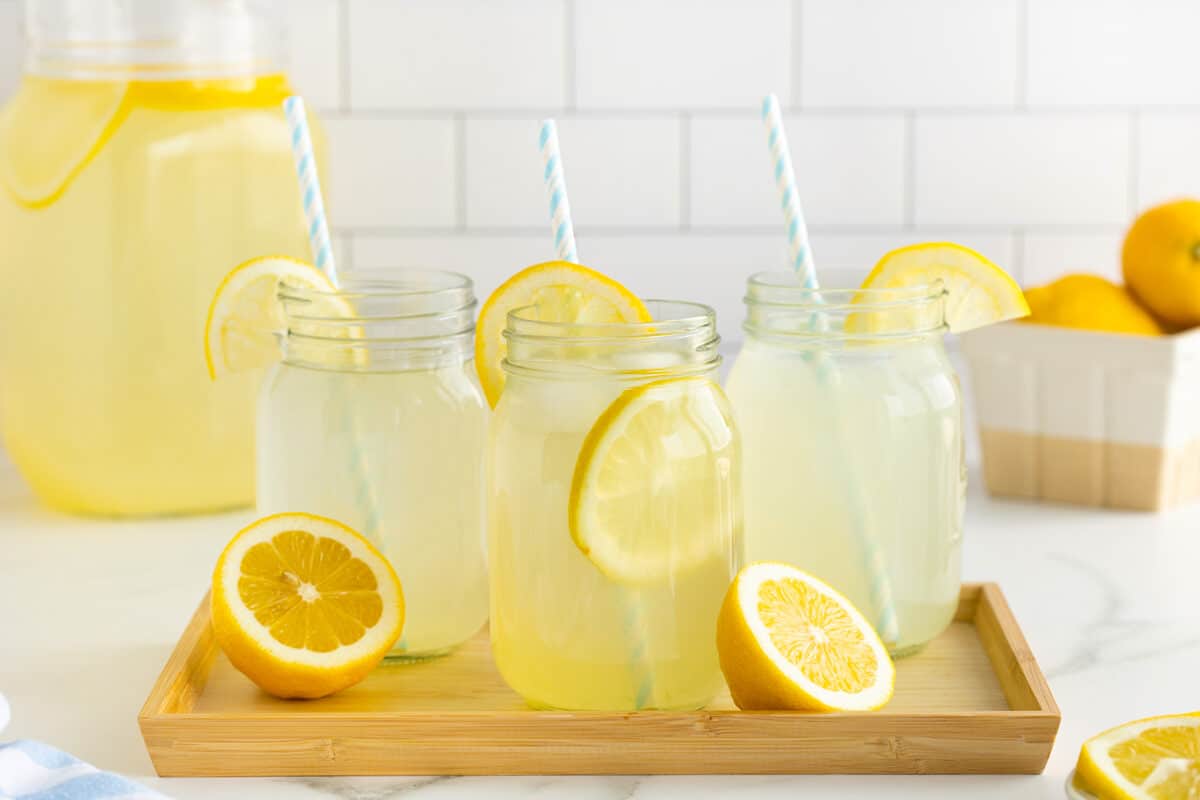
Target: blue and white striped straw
(322, 251)
(789, 195)
(310, 187)
(875, 564)
(556, 193)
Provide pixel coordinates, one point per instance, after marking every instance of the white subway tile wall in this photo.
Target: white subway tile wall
(1032, 130)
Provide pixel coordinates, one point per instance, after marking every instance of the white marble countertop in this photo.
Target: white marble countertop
(1110, 603)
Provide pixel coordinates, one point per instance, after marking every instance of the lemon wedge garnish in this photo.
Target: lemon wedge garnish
(786, 640)
(647, 499)
(245, 317)
(304, 606)
(51, 130)
(559, 291)
(1150, 759)
(978, 292)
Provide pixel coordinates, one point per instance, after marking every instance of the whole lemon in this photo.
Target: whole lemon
(1089, 302)
(1161, 261)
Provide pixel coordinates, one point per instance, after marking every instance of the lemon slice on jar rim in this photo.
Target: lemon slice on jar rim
(556, 291)
(977, 292)
(246, 318)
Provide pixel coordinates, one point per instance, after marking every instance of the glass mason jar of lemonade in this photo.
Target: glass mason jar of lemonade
(851, 418)
(144, 154)
(614, 510)
(375, 418)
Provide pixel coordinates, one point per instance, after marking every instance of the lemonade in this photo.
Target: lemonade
(853, 447)
(377, 421)
(581, 620)
(124, 197)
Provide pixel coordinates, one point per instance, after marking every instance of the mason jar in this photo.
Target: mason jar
(144, 155)
(375, 418)
(614, 511)
(851, 418)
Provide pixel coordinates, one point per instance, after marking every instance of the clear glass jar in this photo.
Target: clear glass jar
(375, 418)
(566, 631)
(851, 419)
(144, 155)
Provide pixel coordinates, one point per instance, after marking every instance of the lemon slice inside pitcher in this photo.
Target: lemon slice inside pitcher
(51, 130)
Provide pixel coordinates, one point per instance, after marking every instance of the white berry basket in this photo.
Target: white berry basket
(1097, 419)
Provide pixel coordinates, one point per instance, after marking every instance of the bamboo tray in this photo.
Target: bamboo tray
(974, 701)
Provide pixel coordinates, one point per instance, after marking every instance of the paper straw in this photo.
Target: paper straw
(322, 252)
(874, 563)
(635, 623)
(556, 193)
(789, 195)
(310, 188)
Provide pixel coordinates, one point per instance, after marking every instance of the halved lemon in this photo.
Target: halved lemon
(647, 499)
(1151, 759)
(559, 291)
(787, 640)
(304, 606)
(978, 292)
(245, 317)
(51, 130)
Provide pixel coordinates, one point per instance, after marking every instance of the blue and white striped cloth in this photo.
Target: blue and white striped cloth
(31, 770)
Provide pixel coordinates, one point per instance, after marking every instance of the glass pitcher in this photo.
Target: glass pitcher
(144, 155)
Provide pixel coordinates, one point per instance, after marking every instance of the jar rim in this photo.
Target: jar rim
(681, 318)
(785, 288)
(390, 293)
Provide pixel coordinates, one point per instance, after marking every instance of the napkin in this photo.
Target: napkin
(31, 770)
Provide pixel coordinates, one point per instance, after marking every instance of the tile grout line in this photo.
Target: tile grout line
(733, 232)
(795, 31)
(1018, 255)
(1134, 163)
(685, 171)
(344, 56)
(909, 199)
(1021, 85)
(570, 90)
(460, 180)
(539, 112)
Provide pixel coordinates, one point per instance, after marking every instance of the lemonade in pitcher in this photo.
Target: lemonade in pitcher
(613, 506)
(143, 155)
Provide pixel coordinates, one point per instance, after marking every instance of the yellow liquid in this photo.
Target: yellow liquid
(863, 451)
(122, 205)
(563, 634)
(398, 456)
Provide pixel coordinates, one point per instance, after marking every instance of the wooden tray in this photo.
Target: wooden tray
(974, 701)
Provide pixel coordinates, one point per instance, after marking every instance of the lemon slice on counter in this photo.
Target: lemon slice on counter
(786, 640)
(1150, 759)
(645, 498)
(245, 317)
(51, 130)
(304, 606)
(978, 292)
(559, 291)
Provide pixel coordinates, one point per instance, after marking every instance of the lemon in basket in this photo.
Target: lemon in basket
(304, 606)
(786, 640)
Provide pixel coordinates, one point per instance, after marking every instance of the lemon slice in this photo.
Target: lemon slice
(978, 292)
(559, 291)
(788, 641)
(304, 606)
(245, 317)
(1150, 759)
(51, 130)
(646, 497)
